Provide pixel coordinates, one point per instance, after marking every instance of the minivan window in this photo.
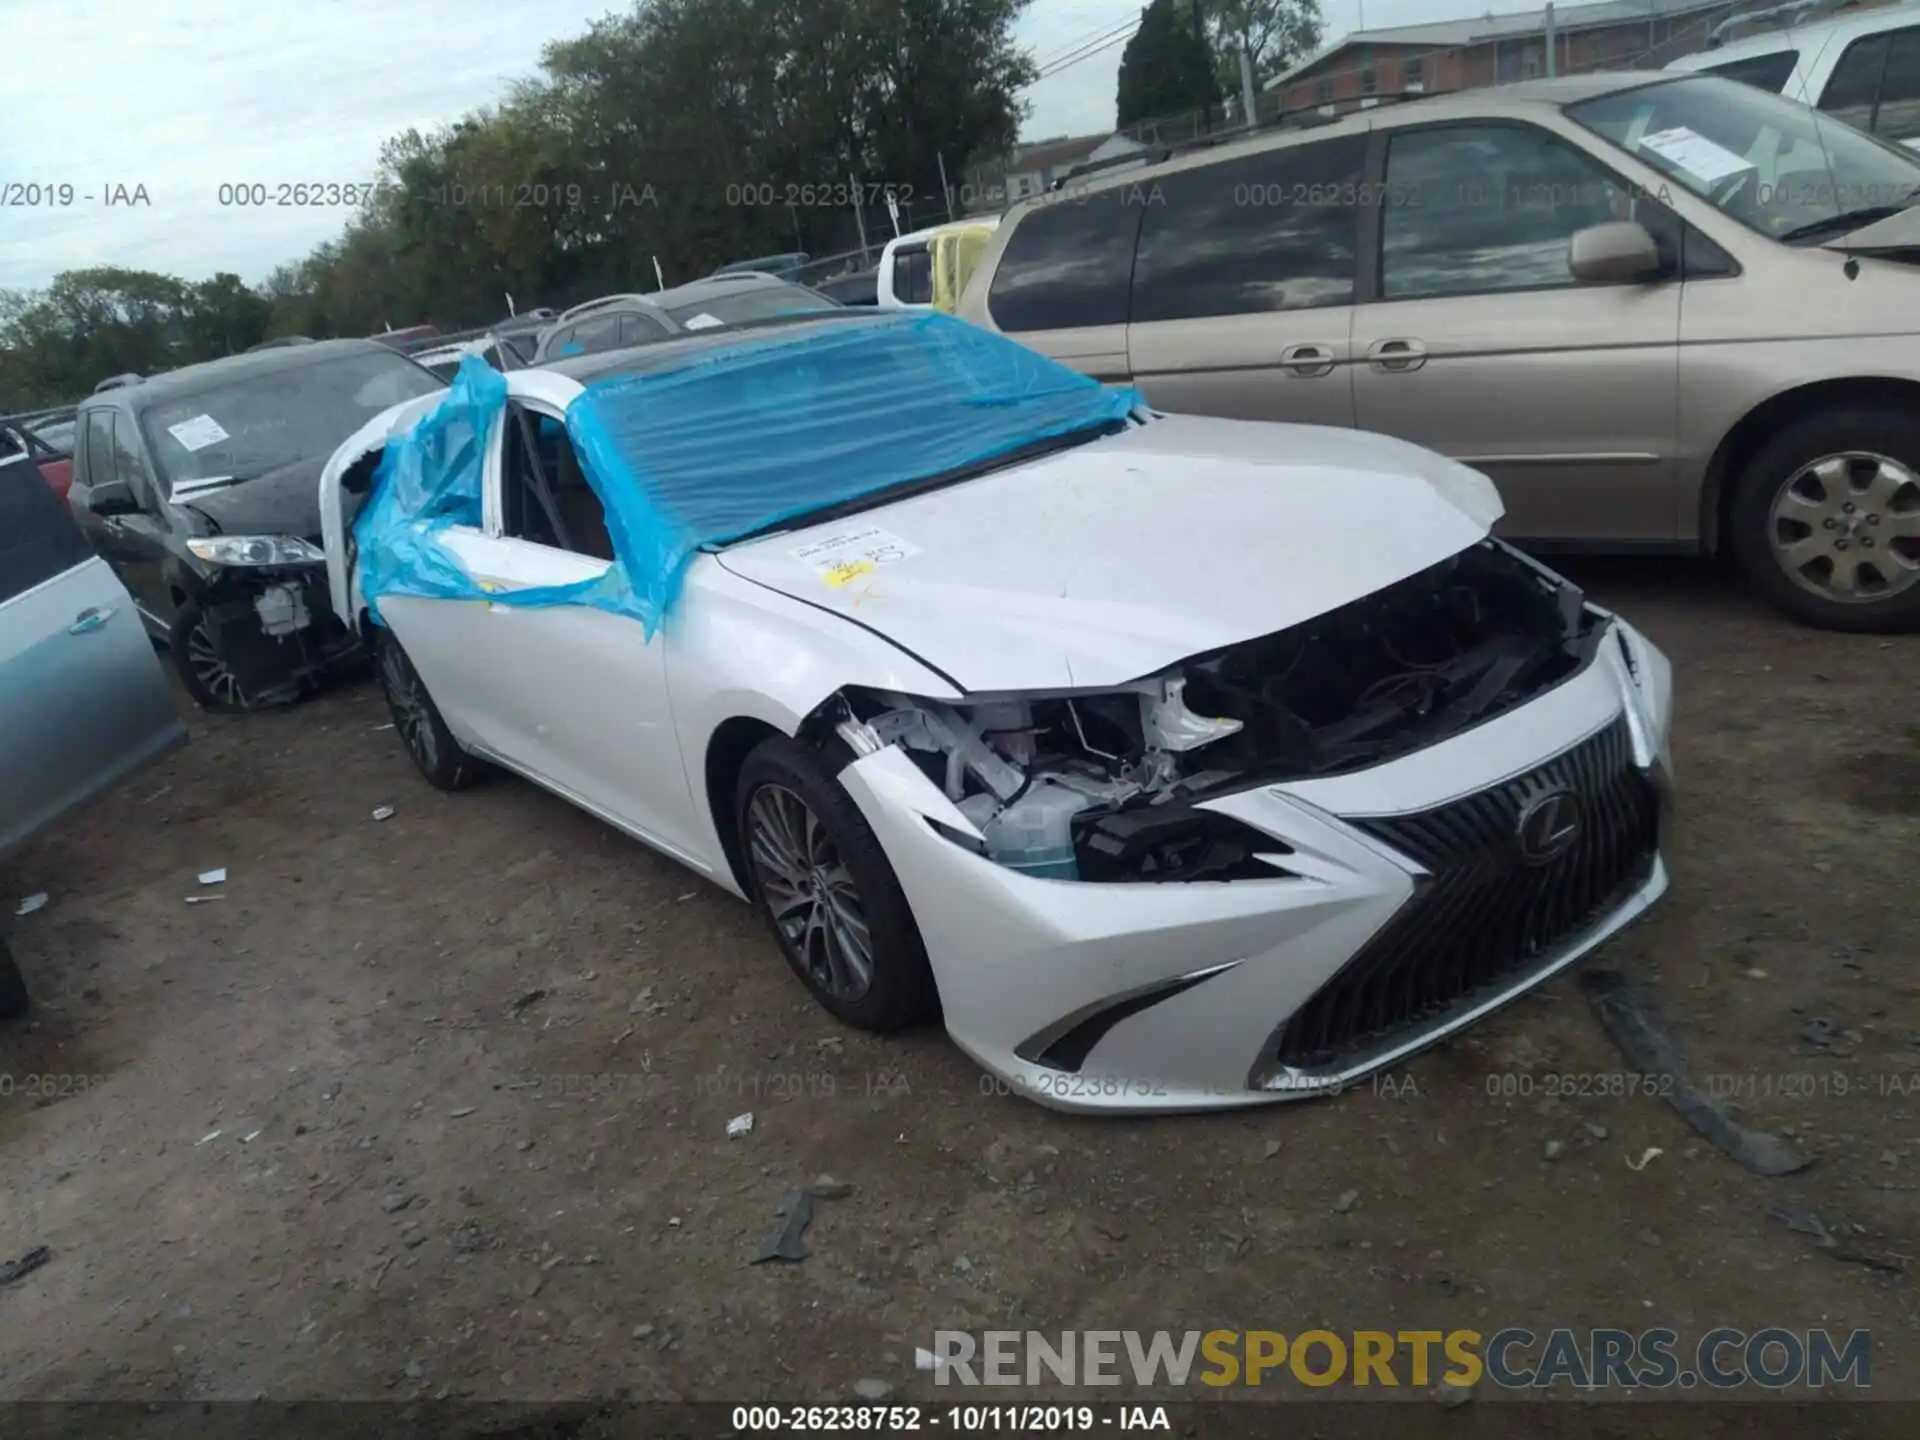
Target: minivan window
(264, 421)
(1898, 115)
(1274, 231)
(1854, 87)
(1764, 72)
(1772, 164)
(1472, 209)
(38, 538)
(1068, 262)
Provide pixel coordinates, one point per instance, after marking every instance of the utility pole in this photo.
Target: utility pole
(1200, 39)
(1248, 100)
(859, 219)
(1553, 46)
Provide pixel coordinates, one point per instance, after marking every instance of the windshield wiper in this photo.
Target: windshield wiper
(1849, 220)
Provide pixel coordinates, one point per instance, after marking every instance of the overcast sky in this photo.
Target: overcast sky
(181, 96)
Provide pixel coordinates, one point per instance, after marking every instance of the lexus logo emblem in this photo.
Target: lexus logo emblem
(1549, 824)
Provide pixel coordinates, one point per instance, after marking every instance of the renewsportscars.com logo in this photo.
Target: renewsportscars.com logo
(1513, 1359)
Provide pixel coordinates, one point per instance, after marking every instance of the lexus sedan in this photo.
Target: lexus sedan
(1176, 763)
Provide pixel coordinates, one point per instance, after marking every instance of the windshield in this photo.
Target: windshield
(277, 417)
(742, 307)
(1773, 164)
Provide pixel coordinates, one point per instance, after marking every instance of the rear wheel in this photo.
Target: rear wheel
(435, 752)
(1826, 522)
(828, 891)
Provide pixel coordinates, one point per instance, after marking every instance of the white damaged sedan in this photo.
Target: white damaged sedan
(1175, 763)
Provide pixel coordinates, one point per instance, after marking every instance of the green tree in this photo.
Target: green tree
(1275, 33)
(1167, 67)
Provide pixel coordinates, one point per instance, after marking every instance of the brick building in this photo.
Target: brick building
(1496, 49)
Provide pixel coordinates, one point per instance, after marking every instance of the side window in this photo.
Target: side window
(96, 448)
(1277, 231)
(38, 538)
(1764, 72)
(913, 275)
(1068, 262)
(1899, 115)
(1477, 209)
(130, 461)
(1853, 89)
(637, 329)
(590, 337)
(545, 498)
(563, 343)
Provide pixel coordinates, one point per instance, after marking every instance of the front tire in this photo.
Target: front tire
(436, 754)
(828, 891)
(1826, 520)
(198, 663)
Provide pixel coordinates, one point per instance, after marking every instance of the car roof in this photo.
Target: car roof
(676, 350)
(1803, 36)
(230, 369)
(695, 291)
(1515, 99)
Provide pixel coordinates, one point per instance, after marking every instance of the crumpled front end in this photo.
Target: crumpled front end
(1275, 869)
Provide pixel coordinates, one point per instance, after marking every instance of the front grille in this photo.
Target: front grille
(1486, 915)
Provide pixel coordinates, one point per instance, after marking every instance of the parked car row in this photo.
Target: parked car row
(1659, 311)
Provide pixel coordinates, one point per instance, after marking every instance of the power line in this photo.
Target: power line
(1124, 34)
(1100, 32)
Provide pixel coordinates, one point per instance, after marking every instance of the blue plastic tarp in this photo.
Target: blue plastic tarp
(734, 440)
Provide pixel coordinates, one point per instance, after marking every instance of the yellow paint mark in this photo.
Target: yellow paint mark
(847, 571)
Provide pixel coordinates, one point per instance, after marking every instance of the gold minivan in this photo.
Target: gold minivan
(1659, 311)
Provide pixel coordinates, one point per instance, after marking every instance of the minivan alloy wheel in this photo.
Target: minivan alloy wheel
(809, 891)
(1846, 527)
(210, 669)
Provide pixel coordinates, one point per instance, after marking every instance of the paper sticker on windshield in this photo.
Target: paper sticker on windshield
(198, 433)
(1694, 153)
(702, 322)
(841, 559)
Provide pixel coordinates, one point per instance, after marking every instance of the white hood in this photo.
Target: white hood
(1113, 560)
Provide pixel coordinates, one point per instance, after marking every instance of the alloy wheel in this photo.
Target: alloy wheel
(1846, 527)
(210, 671)
(810, 893)
(409, 701)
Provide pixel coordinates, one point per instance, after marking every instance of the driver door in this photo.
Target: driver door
(579, 695)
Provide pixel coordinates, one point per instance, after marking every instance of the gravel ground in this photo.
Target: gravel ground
(437, 1106)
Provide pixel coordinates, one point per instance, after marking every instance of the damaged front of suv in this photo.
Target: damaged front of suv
(1282, 862)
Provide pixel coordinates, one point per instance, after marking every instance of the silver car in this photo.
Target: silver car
(83, 700)
(1659, 311)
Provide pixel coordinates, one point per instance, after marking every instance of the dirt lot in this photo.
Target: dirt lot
(471, 1071)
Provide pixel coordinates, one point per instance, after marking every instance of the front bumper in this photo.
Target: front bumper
(1390, 933)
(275, 629)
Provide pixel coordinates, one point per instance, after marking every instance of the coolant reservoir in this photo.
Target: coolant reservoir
(1034, 835)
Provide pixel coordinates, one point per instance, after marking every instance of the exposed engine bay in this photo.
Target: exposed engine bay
(1103, 787)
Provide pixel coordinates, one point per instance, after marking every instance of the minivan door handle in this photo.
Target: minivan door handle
(1397, 355)
(1308, 362)
(89, 620)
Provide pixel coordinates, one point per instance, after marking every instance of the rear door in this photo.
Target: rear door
(1061, 282)
(1243, 285)
(1480, 344)
(83, 699)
